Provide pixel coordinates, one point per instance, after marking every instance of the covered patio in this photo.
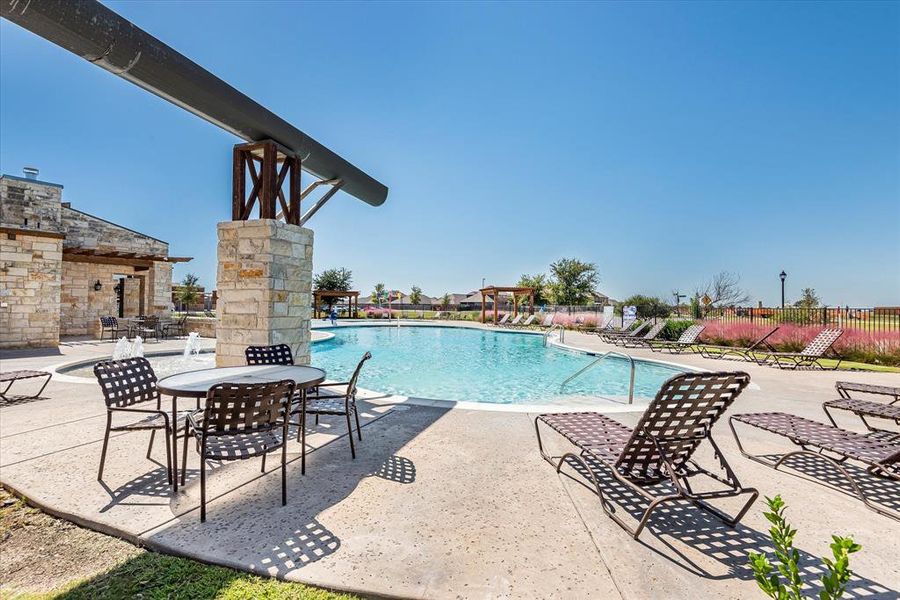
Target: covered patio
(351, 296)
(493, 292)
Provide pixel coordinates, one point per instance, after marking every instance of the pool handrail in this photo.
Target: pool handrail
(562, 333)
(600, 359)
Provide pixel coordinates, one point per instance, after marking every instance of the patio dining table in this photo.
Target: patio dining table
(194, 384)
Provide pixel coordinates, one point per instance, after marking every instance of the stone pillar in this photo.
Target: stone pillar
(264, 288)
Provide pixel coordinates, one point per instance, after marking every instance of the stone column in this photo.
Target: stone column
(264, 288)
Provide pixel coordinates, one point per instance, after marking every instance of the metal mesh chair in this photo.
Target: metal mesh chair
(269, 355)
(687, 341)
(148, 327)
(342, 402)
(111, 325)
(659, 449)
(711, 351)
(631, 341)
(866, 408)
(611, 335)
(126, 385)
(878, 451)
(240, 421)
(809, 356)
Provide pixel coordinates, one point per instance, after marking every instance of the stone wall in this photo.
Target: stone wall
(204, 326)
(264, 288)
(87, 231)
(30, 272)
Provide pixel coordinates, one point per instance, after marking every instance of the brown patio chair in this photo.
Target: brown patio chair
(866, 408)
(174, 328)
(659, 449)
(148, 327)
(611, 336)
(111, 325)
(687, 341)
(642, 341)
(880, 454)
(711, 351)
(129, 388)
(14, 376)
(809, 356)
(240, 421)
(340, 402)
(279, 354)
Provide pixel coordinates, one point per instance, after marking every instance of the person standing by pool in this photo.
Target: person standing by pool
(333, 316)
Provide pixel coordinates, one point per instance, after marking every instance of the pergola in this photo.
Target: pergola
(494, 292)
(352, 298)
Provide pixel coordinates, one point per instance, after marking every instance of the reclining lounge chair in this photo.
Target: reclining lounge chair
(879, 454)
(644, 340)
(610, 337)
(809, 356)
(866, 408)
(659, 449)
(708, 351)
(687, 341)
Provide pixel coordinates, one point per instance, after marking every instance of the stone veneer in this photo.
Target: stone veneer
(30, 272)
(265, 288)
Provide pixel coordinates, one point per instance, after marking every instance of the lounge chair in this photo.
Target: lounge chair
(866, 408)
(612, 336)
(687, 341)
(880, 454)
(809, 356)
(643, 341)
(659, 449)
(516, 320)
(503, 320)
(240, 421)
(709, 351)
(526, 323)
(547, 321)
(14, 376)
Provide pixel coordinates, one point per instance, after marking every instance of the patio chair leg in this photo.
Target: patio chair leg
(169, 475)
(150, 445)
(284, 469)
(184, 453)
(350, 435)
(302, 435)
(358, 428)
(202, 488)
(317, 418)
(263, 469)
(105, 444)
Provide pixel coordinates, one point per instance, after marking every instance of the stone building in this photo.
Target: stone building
(61, 269)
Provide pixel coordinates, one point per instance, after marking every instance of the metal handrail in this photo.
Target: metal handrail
(562, 333)
(598, 361)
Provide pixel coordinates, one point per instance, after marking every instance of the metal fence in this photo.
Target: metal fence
(870, 320)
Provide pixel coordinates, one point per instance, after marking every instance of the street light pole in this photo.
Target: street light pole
(782, 276)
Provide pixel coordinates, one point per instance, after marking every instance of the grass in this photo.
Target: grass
(154, 576)
(45, 558)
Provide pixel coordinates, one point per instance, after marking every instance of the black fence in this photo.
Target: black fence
(870, 320)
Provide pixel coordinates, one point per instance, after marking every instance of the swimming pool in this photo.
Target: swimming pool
(480, 365)
(462, 364)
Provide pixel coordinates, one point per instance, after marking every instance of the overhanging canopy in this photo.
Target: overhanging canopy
(99, 35)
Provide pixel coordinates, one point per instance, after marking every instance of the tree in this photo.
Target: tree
(378, 293)
(808, 299)
(333, 280)
(724, 290)
(540, 285)
(648, 307)
(445, 300)
(415, 297)
(188, 292)
(573, 281)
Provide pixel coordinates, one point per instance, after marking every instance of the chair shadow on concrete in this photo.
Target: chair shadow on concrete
(247, 526)
(19, 399)
(878, 490)
(684, 524)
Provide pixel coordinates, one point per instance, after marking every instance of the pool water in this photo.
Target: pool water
(462, 364)
(479, 365)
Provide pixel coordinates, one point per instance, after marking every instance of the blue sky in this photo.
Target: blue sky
(664, 142)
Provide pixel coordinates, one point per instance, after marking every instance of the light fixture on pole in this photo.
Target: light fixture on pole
(783, 276)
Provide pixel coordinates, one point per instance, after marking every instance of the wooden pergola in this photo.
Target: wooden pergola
(494, 292)
(352, 298)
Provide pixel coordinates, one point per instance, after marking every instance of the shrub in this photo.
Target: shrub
(674, 328)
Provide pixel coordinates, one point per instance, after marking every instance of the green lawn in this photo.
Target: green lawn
(154, 576)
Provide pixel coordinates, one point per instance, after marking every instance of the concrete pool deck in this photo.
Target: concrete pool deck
(441, 502)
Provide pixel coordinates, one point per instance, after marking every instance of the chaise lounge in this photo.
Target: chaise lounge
(659, 449)
(746, 353)
(808, 357)
(644, 340)
(687, 341)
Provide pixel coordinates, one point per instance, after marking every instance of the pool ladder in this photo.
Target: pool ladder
(600, 359)
(562, 333)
